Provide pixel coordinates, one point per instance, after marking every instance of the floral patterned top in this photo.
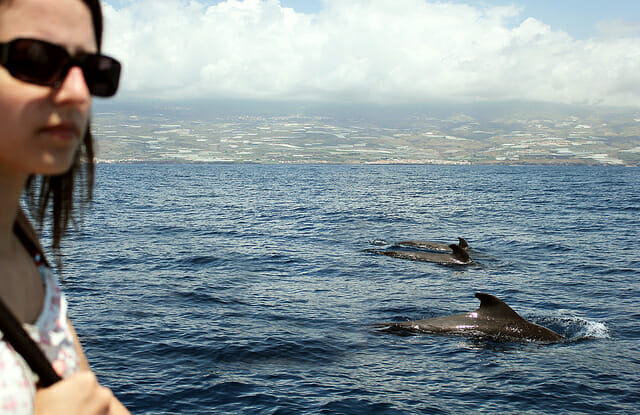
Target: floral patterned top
(51, 332)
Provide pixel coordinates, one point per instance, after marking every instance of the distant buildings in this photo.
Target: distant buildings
(462, 139)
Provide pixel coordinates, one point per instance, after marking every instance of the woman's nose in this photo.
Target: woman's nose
(74, 88)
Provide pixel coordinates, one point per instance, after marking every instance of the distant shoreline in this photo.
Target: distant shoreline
(577, 163)
(403, 139)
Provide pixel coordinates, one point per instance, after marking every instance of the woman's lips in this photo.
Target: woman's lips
(63, 131)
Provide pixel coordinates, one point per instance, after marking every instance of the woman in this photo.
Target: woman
(49, 68)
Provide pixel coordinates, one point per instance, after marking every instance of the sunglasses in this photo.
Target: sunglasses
(43, 63)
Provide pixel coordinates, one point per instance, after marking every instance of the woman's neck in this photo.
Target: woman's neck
(10, 192)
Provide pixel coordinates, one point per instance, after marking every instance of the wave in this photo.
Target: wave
(588, 329)
(575, 328)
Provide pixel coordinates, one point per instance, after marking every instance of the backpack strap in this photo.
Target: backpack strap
(28, 236)
(12, 330)
(22, 343)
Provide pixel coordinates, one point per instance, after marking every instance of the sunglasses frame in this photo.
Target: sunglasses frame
(90, 64)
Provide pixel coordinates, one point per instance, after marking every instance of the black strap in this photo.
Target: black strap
(22, 343)
(12, 330)
(28, 243)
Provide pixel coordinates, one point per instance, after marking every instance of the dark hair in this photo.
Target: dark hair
(55, 194)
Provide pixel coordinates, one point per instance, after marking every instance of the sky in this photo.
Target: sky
(378, 51)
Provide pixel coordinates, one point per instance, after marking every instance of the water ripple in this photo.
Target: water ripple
(240, 289)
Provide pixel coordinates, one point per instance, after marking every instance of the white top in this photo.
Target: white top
(51, 332)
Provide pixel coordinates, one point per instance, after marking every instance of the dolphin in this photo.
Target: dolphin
(494, 319)
(436, 246)
(458, 256)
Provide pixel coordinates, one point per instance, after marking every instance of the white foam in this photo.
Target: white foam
(589, 329)
(596, 330)
(379, 242)
(575, 328)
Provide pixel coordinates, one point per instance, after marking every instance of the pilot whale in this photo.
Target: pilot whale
(435, 246)
(458, 256)
(494, 319)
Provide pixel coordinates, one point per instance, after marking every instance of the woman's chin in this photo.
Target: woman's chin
(55, 165)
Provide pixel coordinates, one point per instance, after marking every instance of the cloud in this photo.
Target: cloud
(382, 51)
(618, 28)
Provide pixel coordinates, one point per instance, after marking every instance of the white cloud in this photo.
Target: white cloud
(618, 28)
(363, 51)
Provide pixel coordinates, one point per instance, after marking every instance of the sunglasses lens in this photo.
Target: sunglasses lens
(102, 74)
(43, 63)
(37, 62)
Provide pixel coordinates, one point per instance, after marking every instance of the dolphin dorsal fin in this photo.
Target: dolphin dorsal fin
(495, 307)
(459, 253)
(462, 243)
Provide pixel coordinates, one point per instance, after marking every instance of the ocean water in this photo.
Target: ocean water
(251, 289)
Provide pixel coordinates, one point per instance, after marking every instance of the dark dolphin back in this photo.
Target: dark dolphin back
(462, 243)
(459, 253)
(494, 307)
(493, 310)
(494, 318)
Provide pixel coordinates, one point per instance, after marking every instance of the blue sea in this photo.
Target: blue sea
(252, 289)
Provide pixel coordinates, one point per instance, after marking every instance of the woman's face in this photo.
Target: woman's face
(41, 127)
